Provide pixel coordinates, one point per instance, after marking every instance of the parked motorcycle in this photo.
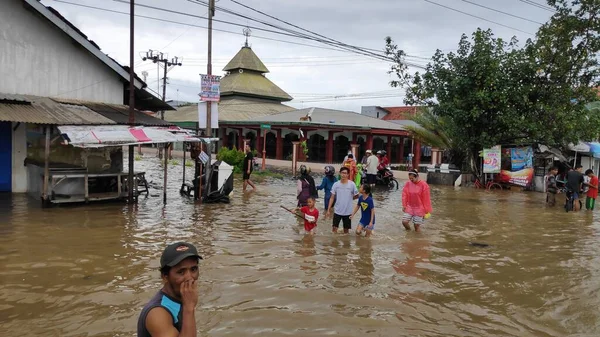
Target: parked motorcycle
(386, 178)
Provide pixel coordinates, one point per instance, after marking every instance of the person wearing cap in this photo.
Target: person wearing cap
(416, 201)
(171, 312)
(372, 163)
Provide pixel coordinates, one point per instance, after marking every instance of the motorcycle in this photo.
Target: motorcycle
(385, 177)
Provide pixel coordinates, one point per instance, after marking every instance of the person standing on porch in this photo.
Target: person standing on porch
(247, 168)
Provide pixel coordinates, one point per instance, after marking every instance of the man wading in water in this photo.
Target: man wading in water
(342, 193)
(171, 312)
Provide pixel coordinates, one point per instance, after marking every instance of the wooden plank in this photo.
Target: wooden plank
(46, 165)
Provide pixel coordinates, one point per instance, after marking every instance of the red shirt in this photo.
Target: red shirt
(308, 226)
(593, 192)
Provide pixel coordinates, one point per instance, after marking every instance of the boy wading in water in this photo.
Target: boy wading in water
(592, 193)
(311, 215)
(416, 202)
(343, 193)
(367, 210)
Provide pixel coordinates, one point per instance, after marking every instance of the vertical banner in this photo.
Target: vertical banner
(492, 160)
(214, 116)
(210, 88)
(521, 158)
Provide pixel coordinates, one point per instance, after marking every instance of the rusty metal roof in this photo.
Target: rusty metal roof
(115, 112)
(45, 110)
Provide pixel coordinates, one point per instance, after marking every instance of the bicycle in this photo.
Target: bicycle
(489, 185)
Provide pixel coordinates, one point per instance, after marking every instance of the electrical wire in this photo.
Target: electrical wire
(538, 5)
(499, 11)
(197, 26)
(317, 37)
(478, 17)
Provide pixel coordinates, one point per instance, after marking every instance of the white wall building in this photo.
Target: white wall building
(42, 54)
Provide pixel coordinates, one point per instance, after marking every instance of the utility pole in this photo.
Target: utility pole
(130, 197)
(211, 13)
(208, 130)
(162, 59)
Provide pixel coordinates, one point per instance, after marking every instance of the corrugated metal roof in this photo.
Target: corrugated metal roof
(246, 59)
(252, 84)
(115, 112)
(331, 117)
(234, 109)
(43, 110)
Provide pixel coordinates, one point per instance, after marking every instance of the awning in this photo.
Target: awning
(118, 135)
(592, 148)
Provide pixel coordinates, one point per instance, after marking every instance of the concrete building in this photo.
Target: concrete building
(44, 56)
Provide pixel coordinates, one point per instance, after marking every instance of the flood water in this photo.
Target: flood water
(88, 270)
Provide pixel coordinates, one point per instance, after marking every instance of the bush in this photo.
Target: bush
(233, 157)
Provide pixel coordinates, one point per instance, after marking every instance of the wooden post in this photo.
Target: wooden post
(295, 157)
(165, 173)
(183, 162)
(46, 166)
(264, 156)
(354, 149)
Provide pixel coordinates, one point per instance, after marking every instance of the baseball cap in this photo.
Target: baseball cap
(413, 172)
(177, 252)
(368, 151)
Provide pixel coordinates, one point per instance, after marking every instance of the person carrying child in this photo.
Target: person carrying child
(305, 186)
(367, 210)
(592, 193)
(311, 215)
(328, 180)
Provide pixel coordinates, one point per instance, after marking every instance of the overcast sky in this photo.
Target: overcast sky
(314, 76)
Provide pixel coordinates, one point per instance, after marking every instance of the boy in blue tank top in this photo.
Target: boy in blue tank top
(367, 210)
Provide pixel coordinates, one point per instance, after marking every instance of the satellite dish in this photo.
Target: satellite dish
(241, 71)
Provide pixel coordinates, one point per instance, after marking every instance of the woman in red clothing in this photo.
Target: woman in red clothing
(416, 201)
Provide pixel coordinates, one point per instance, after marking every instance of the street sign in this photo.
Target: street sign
(204, 157)
(265, 126)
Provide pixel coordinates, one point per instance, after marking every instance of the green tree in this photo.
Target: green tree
(495, 92)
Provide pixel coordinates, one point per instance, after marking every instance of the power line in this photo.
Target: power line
(478, 17)
(319, 38)
(197, 26)
(538, 5)
(337, 48)
(499, 11)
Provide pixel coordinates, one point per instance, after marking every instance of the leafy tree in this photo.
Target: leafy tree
(495, 92)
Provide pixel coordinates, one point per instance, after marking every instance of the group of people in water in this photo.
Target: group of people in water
(574, 186)
(344, 197)
(171, 312)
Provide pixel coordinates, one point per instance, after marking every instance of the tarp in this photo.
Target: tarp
(117, 135)
(586, 147)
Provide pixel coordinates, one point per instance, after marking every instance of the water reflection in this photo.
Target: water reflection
(87, 271)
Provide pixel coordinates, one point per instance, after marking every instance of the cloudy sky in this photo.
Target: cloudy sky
(314, 74)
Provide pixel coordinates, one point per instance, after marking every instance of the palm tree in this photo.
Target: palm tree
(435, 131)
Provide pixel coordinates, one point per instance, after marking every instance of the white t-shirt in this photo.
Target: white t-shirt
(372, 163)
(344, 197)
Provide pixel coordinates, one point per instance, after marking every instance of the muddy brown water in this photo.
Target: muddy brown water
(88, 270)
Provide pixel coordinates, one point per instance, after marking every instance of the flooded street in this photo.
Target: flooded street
(88, 270)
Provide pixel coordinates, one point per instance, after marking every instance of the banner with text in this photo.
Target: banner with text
(492, 159)
(210, 88)
(522, 177)
(521, 158)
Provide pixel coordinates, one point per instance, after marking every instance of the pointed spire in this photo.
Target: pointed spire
(246, 59)
(247, 33)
